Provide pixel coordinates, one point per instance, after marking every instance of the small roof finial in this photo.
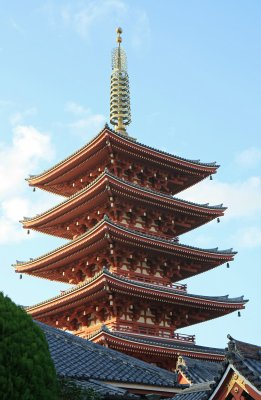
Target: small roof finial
(119, 32)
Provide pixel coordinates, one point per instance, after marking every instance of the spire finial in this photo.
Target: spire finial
(120, 114)
(119, 32)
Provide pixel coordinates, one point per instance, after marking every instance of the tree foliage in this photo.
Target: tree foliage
(68, 390)
(26, 368)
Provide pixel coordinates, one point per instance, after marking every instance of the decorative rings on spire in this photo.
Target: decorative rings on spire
(120, 112)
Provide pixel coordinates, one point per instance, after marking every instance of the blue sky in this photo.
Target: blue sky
(195, 83)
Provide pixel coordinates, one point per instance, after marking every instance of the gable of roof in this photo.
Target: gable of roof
(246, 359)
(198, 371)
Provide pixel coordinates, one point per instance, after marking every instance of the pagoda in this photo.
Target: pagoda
(123, 255)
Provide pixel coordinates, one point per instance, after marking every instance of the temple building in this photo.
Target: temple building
(123, 255)
(237, 378)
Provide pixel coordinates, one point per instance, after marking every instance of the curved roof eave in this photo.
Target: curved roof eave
(189, 163)
(181, 203)
(110, 224)
(106, 274)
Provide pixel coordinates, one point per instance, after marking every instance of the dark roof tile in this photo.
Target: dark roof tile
(198, 371)
(81, 359)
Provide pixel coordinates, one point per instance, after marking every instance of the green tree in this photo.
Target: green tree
(26, 368)
(68, 390)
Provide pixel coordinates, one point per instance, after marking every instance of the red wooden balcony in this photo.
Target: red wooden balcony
(140, 329)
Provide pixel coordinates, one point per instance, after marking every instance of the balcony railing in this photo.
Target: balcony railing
(155, 281)
(139, 329)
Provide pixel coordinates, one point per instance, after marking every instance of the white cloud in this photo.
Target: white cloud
(249, 157)
(10, 232)
(12, 211)
(18, 117)
(91, 124)
(83, 17)
(86, 122)
(15, 208)
(248, 237)
(243, 199)
(76, 109)
(28, 148)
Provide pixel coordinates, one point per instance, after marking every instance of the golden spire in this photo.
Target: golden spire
(120, 113)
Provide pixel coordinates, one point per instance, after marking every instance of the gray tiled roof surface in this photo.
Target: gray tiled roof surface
(198, 371)
(105, 389)
(81, 359)
(246, 358)
(165, 343)
(199, 394)
(190, 396)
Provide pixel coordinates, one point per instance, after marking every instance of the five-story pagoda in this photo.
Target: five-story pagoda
(123, 256)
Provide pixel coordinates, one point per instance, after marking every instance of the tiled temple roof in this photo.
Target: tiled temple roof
(78, 358)
(136, 233)
(220, 299)
(105, 390)
(130, 140)
(163, 342)
(198, 371)
(197, 392)
(106, 173)
(246, 358)
(242, 357)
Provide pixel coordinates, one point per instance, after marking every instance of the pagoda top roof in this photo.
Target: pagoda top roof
(107, 224)
(215, 301)
(193, 349)
(81, 359)
(106, 174)
(107, 132)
